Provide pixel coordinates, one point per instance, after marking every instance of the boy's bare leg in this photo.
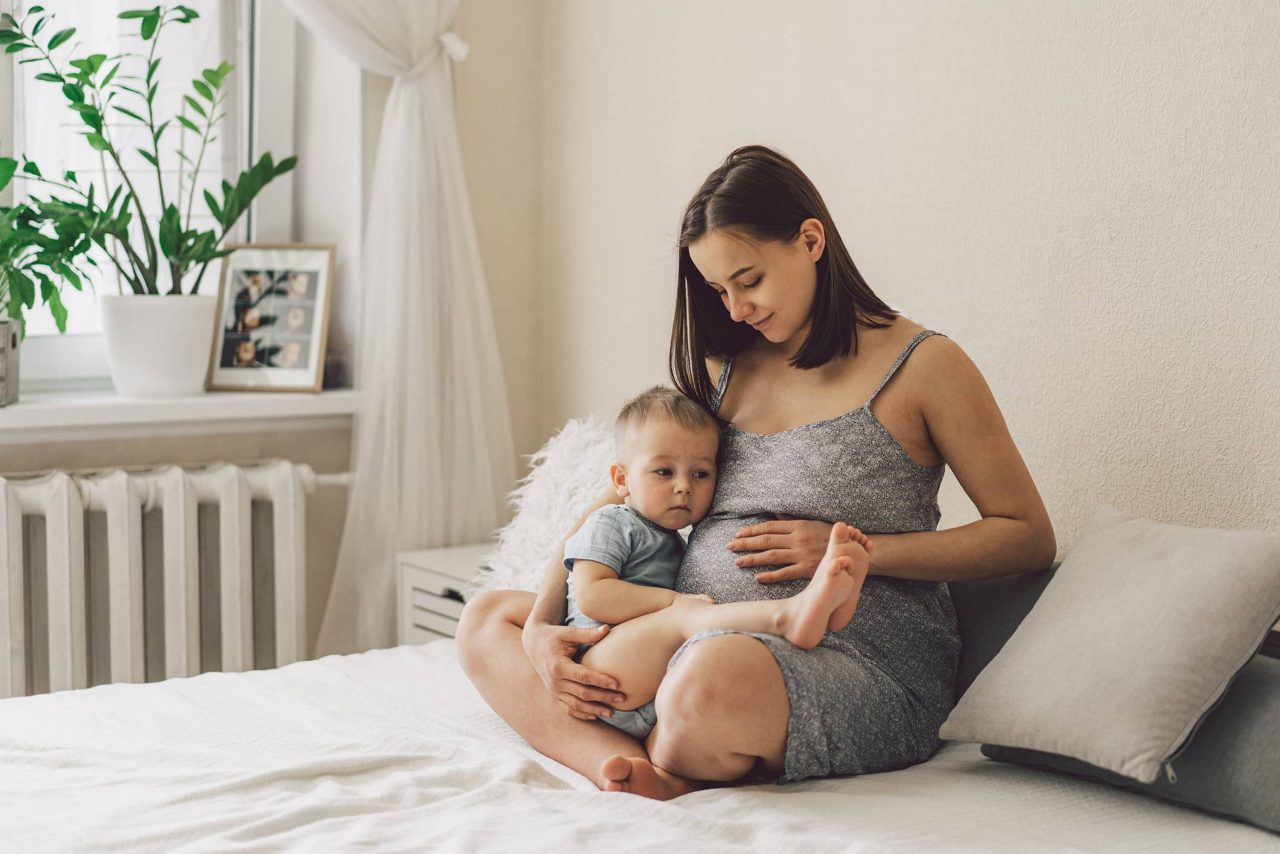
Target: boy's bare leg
(636, 652)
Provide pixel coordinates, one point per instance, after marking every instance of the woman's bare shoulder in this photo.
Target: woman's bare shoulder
(945, 372)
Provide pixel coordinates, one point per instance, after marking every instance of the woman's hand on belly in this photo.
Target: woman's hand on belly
(794, 545)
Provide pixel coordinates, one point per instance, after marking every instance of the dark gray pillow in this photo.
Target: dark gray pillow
(1231, 766)
(988, 611)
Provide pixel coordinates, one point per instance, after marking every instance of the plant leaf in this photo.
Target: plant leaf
(31, 168)
(110, 74)
(97, 142)
(59, 311)
(61, 37)
(138, 13)
(195, 105)
(149, 157)
(285, 165)
(149, 25)
(7, 167)
(213, 206)
(69, 274)
(202, 88)
(188, 124)
(130, 113)
(49, 78)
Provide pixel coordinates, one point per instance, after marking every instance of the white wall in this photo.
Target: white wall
(1083, 195)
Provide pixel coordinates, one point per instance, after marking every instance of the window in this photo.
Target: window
(40, 124)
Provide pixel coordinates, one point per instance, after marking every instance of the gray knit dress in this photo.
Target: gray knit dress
(872, 696)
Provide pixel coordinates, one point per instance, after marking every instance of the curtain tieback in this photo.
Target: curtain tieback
(449, 43)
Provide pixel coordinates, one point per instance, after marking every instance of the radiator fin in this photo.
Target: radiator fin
(126, 575)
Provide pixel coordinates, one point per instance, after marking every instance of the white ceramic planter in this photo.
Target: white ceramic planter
(158, 346)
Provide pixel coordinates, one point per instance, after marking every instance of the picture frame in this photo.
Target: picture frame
(273, 317)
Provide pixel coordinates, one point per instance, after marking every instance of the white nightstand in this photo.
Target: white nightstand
(430, 586)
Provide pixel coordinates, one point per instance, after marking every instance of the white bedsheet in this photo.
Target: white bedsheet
(394, 750)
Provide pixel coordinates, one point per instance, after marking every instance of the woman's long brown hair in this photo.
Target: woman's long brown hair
(760, 194)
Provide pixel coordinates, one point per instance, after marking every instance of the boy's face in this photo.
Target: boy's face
(667, 472)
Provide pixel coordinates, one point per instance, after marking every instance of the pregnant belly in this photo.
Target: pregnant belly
(708, 566)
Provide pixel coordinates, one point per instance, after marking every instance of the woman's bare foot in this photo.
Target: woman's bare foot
(829, 600)
(639, 776)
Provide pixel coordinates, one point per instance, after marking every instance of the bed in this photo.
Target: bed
(394, 750)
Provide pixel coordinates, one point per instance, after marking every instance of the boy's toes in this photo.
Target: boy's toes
(840, 533)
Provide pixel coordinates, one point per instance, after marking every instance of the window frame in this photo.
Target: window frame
(78, 361)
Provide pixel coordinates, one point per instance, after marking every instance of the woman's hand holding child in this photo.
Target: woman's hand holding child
(583, 693)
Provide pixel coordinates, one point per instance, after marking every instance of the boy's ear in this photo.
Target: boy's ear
(618, 475)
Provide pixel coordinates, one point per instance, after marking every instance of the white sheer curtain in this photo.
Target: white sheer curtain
(432, 448)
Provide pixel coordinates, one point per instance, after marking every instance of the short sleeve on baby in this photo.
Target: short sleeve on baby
(632, 546)
(605, 537)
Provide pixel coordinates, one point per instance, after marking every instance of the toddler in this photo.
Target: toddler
(622, 562)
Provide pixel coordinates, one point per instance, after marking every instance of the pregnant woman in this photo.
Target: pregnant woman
(837, 409)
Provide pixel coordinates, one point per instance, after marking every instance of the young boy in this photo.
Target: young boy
(624, 558)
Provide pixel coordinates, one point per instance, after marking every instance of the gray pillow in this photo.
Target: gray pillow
(1230, 767)
(1135, 639)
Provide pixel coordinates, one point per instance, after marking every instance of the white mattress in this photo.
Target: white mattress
(394, 750)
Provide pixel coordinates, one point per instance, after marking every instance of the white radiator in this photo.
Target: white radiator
(140, 611)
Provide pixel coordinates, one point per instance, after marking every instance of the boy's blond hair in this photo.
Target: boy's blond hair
(661, 402)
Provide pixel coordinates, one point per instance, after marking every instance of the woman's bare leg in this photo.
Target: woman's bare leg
(636, 652)
(492, 655)
(722, 713)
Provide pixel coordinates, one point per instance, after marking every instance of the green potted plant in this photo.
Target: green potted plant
(35, 255)
(156, 347)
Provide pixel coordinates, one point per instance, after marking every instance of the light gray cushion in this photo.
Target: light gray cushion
(1135, 639)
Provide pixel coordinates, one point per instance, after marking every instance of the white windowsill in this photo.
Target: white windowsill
(80, 415)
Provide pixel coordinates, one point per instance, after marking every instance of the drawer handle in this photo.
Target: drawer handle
(450, 593)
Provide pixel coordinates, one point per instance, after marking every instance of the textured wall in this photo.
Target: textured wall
(1083, 195)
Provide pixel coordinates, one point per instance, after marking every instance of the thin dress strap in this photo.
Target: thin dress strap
(902, 357)
(721, 385)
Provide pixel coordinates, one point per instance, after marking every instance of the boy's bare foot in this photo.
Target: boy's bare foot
(829, 600)
(639, 776)
(841, 616)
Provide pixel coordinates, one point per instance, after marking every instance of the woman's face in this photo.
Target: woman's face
(768, 285)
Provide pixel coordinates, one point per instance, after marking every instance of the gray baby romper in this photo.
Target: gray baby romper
(872, 696)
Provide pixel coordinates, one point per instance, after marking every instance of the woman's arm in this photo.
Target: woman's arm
(1014, 534)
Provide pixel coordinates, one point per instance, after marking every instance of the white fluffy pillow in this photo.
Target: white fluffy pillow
(566, 477)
